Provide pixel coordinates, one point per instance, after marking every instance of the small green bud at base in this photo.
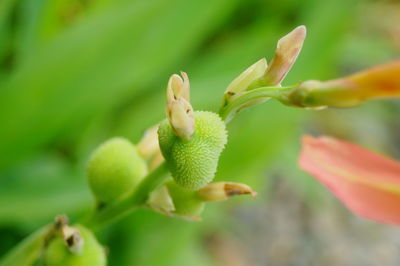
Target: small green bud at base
(193, 162)
(160, 200)
(186, 202)
(58, 254)
(114, 169)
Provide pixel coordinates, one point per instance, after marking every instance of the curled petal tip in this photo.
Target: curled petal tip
(185, 86)
(179, 109)
(178, 87)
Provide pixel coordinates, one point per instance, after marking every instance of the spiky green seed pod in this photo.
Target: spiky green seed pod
(186, 202)
(114, 169)
(193, 162)
(58, 254)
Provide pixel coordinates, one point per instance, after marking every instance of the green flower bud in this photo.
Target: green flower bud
(58, 253)
(193, 162)
(114, 169)
(245, 79)
(187, 204)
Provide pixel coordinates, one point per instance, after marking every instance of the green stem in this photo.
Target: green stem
(120, 208)
(248, 98)
(27, 251)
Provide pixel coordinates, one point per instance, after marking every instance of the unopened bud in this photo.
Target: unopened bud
(148, 146)
(379, 82)
(224, 190)
(286, 53)
(160, 200)
(247, 77)
(187, 204)
(178, 87)
(181, 118)
(193, 162)
(114, 169)
(156, 161)
(174, 200)
(179, 110)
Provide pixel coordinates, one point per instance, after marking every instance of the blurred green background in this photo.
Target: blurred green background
(74, 73)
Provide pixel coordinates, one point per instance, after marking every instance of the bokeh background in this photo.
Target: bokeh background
(76, 72)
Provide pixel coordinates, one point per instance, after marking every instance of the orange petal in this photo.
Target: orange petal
(382, 81)
(379, 81)
(366, 182)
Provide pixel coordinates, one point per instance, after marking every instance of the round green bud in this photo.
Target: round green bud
(92, 253)
(193, 162)
(186, 202)
(114, 169)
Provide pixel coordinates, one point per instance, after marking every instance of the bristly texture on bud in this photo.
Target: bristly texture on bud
(193, 162)
(179, 110)
(286, 53)
(382, 81)
(224, 190)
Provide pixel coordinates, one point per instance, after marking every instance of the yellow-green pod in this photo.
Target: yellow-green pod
(92, 253)
(193, 162)
(114, 169)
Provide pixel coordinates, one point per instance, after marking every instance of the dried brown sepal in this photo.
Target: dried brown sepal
(72, 238)
(218, 191)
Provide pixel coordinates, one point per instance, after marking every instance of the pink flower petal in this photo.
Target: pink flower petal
(366, 182)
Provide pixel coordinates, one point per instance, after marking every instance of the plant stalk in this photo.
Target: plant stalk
(249, 98)
(122, 207)
(27, 251)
